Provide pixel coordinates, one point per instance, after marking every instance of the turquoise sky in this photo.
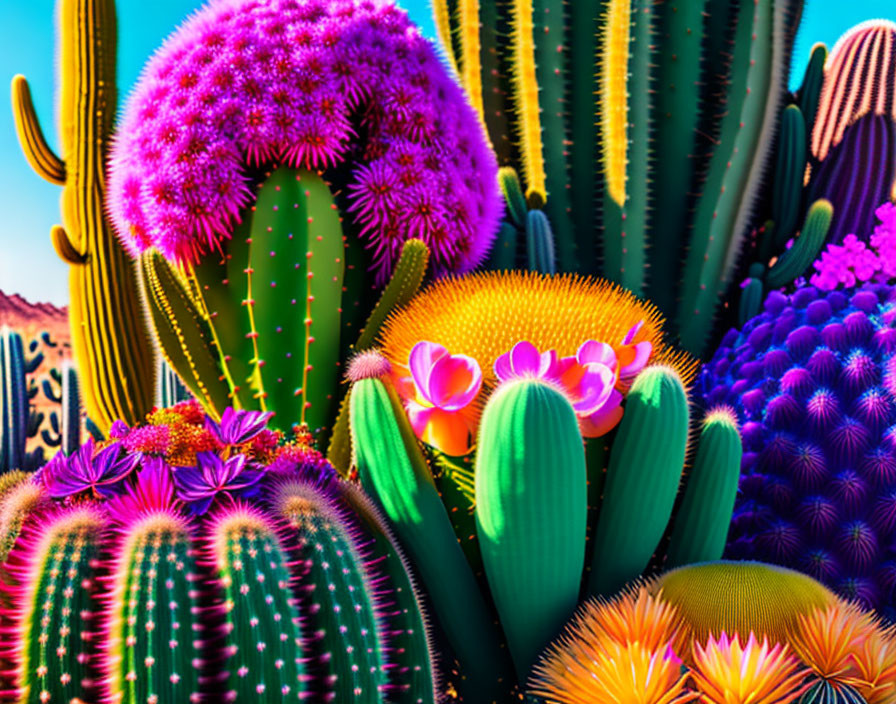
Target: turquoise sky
(30, 206)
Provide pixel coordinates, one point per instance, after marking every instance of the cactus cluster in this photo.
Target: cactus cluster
(811, 379)
(268, 203)
(641, 130)
(146, 575)
(111, 342)
(18, 421)
(527, 484)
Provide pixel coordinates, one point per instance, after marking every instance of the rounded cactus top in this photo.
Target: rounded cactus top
(348, 87)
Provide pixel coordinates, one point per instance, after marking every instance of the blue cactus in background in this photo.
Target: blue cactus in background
(813, 379)
(17, 423)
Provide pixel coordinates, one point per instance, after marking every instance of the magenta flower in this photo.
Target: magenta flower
(153, 492)
(101, 472)
(312, 84)
(525, 361)
(198, 486)
(439, 397)
(237, 427)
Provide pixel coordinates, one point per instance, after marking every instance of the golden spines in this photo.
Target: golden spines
(526, 99)
(613, 96)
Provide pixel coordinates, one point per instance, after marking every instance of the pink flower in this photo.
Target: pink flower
(525, 361)
(441, 390)
(632, 356)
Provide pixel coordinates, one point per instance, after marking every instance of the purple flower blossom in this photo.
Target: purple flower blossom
(198, 486)
(153, 492)
(312, 84)
(237, 427)
(855, 262)
(87, 470)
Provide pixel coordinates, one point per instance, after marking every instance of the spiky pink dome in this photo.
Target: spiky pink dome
(345, 86)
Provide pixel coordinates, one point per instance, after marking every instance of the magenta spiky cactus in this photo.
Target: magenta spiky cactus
(170, 586)
(345, 86)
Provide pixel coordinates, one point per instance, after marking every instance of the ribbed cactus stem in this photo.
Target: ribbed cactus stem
(51, 620)
(13, 401)
(150, 645)
(540, 243)
(790, 167)
(796, 260)
(471, 49)
(531, 513)
(646, 464)
(261, 634)
(337, 593)
(109, 335)
(701, 525)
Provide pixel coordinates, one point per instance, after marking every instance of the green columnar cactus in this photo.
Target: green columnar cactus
(394, 472)
(531, 513)
(645, 467)
(66, 434)
(18, 421)
(615, 107)
(790, 167)
(701, 527)
(110, 339)
(809, 93)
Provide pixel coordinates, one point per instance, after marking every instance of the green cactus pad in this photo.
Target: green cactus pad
(646, 464)
(531, 513)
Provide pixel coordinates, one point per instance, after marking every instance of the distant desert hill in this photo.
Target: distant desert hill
(31, 319)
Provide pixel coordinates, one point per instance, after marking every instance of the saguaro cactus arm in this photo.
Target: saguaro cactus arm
(38, 153)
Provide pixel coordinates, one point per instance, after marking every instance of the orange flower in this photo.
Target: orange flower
(726, 672)
(615, 673)
(876, 664)
(827, 639)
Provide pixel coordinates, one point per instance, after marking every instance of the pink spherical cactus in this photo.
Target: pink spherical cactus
(348, 87)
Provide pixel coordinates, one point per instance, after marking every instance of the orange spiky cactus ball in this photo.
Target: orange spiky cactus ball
(653, 646)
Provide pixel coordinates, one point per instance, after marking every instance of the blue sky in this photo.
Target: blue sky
(30, 206)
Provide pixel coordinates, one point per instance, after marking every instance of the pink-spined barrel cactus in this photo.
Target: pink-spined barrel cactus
(347, 85)
(138, 571)
(813, 379)
(273, 163)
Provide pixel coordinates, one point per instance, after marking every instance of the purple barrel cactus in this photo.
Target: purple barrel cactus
(813, 379)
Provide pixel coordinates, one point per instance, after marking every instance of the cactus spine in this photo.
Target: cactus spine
(109, 335)
(531, 513)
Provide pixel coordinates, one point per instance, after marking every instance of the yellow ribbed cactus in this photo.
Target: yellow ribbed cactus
(613, 97)
(739, 597)
(111, 344)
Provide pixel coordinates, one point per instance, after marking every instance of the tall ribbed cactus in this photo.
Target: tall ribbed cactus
(17, 420)
(643, 130)
(109, 336)
(132, 599)
(66, 423)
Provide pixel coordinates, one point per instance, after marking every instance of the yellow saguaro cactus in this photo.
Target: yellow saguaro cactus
(111, 343)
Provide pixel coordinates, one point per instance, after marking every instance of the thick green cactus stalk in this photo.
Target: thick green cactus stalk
(721, 219)
(393, 471)
(262, 624)
(813, 81)
(531, 513)
(109, 334)
(624, 106)
(646, 464)
(806, 247)
(283, 266)
(540, 243)
(54, 605)
(701, 524)
(151, 647)
(751, 298)
(13, 401)
(338, 595)
(185, 333)
(790, 167)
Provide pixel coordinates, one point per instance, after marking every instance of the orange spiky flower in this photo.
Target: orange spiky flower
(876, 664)
(622, 650)
(726, 672)
(827, 640)
(484, 315)
(629, 674)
